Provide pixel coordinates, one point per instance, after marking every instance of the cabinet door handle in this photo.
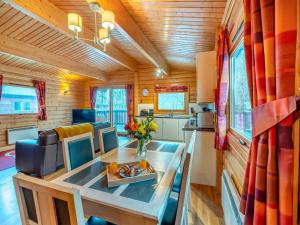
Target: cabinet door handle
(242, 142)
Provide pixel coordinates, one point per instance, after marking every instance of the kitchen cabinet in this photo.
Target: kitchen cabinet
(181, 123)
(204, 161)
(170, 129)
(159, 133)
(206, 77)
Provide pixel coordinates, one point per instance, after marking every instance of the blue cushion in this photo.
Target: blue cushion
(97, 221)
(110, 140)
(177, 182)
(80, 152)
(170, 212)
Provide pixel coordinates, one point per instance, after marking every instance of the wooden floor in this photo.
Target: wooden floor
(9, 212)
(205, 206)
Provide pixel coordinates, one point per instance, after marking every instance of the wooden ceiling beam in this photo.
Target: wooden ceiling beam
(50, 15)
(129, 28)
(18, 48)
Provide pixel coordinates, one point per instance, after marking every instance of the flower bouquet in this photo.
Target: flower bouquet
(142, 132)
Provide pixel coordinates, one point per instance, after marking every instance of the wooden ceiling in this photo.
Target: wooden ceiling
(174, 30)
(178, 28)
(9, 63)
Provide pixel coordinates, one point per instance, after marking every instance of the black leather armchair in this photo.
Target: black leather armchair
(38, 157)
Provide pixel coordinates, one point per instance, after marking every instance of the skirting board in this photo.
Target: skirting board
(8, 147)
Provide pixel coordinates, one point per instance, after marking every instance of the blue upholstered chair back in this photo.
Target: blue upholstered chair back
(108, 139)
(78, 150)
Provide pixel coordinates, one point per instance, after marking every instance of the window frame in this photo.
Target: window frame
(235, 137)
(23, 113)
(184, 111)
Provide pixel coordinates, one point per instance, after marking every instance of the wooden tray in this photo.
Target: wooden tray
(114, 180)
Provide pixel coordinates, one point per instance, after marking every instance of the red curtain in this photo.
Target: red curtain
(93, 96)
(221, 92)
(175, 88)
(270, 50)
(130, 102)
(1, 82)
(40, 87)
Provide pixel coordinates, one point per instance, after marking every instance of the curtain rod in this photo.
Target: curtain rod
(15, 84)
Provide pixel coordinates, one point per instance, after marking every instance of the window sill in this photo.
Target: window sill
(19, 114)
(235, 140)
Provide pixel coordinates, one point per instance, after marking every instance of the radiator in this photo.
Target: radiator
(20, 133)
(230, 201)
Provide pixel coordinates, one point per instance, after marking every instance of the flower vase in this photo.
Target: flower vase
(141, 149)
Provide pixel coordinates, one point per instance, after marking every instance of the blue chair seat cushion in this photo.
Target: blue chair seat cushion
(177, 182)
(97, 221)
(170, 212)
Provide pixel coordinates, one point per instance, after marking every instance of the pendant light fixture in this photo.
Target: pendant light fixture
(108, 20)
(159, 73)
(104, 37)
(102, 33)
(75, 24)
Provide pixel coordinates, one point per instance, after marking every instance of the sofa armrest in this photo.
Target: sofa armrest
(33, 159)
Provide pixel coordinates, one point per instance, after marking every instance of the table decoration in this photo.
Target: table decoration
(142, 132)
(130, 173)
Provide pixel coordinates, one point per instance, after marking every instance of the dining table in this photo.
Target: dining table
(136, 203)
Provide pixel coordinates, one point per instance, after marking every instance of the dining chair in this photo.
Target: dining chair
(177, 209)
(45, 203)
(78, 150)
(108, 138)
(178, 176)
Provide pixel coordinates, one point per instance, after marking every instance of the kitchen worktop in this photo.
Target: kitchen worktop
(168, 116)
(191, 126)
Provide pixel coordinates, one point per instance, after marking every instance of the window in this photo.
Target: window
(171, 101)
(240, 107)
(18, 100)
(111, 107)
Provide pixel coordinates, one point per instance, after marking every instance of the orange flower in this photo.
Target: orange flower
(134, 127)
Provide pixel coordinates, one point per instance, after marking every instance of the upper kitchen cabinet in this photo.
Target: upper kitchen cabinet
(206, 76)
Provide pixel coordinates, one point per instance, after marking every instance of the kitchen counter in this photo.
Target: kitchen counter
(168, 116)
(191, 126)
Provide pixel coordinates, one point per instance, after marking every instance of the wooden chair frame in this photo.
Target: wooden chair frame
(182, 209)
(66, 148)
(44, 193)
(101, 132)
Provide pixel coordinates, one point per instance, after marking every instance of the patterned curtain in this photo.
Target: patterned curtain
(175, 88)
(270, 50)
(40, 87)
(93, 97)
(130, 102)
(1, 82)
(221, 93)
